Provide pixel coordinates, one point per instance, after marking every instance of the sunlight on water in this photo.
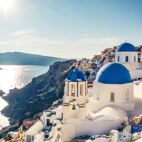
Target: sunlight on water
(7, 77)
(3, 103)
(12, 76)
(4, 121)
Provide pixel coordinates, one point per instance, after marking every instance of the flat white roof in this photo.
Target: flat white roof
(139, 140)
(38, 126)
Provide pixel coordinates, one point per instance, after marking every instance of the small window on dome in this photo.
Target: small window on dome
(112, 97)
(126, 59)
(118, 59)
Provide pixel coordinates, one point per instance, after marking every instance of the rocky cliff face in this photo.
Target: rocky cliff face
(39, 94)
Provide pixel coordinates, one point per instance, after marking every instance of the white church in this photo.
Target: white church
(128, 55)
(97, 110)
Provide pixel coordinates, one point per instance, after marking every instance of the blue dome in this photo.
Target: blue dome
(113, 73)
(76, 75)
(126, 47)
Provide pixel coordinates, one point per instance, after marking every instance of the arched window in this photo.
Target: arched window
(126, 59)
(81, 90)
(72, 90)
(118, 59)
(112, 97)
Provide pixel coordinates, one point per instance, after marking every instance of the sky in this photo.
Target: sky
(68, 28)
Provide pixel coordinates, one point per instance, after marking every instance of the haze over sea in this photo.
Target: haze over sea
(16, 76)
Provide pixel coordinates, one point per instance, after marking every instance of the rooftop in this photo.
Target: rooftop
(113, 73)
(126, 47)
(38, 126)
(76, 75)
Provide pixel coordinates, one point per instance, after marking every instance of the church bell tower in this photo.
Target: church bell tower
(75, 95)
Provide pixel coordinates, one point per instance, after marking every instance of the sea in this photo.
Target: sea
(16, 76)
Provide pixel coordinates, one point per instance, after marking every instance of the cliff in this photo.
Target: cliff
(37, 95)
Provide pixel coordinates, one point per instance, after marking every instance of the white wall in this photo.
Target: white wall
(114, 136)
(69, 113)
(122, 56)
(138, 65)
(90, 91)
(39, 137)
(80, 127)
(132, 70)
(102, 96)
(100, 140)
(139, 73)
(131, 56)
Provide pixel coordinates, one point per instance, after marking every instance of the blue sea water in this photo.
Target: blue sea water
(18, 76)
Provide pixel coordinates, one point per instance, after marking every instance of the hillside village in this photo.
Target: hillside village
(87, 113)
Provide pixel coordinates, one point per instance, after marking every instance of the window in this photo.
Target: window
(81, 90)
(48, 122)
(126, 59)
(28, 138)
(112, 97)
(118, 59)
(134, 58)
(139, 57)
(32, 138)
(72, 90)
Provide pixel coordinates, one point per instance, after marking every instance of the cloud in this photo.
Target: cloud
(22, 33)
(28, 41)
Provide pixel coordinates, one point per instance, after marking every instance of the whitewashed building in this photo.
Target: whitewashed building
(85, 114)
(129, 55)
(34, 134)
(75, 95)
(113, 86)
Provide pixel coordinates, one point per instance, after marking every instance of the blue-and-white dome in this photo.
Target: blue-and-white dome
(126, 47)
(113, 73)
(76, 75)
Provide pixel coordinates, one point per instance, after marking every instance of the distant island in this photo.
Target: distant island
(18, 58)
